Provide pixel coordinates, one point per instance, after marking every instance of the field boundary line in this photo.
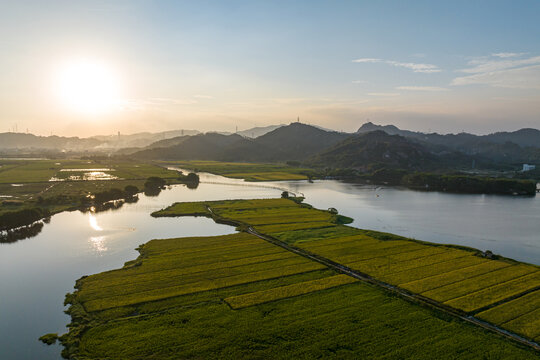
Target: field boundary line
(508, 299)
(394, 289)
(487, 287)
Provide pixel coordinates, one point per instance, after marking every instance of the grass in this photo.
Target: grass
(493, 294)
(238, 296)
(184, 209)
(36, 171)
(31, 178)
(247, 171)
(325, 324)
(179, 271)
(455, 276)
(173, 302)
(528, 325)
(512, 309)
(441, 278)
(476, 283)
(283, 292)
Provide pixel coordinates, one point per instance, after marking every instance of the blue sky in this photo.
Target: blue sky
(423, 65)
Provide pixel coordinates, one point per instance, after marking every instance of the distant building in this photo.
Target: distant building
(527, 167)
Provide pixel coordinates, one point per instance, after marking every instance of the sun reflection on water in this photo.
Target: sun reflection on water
(98, 242)
(93, 222)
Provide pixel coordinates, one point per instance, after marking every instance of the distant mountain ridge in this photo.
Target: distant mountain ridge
(387, 146)
(129, 142)
(372, 147)
(519, 146)
(376, 148)
(523, 137)
(12, 140)
(290, 142)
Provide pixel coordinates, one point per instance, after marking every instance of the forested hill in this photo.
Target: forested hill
(372, 147)
(292, 142)
(12, 140)
(523, 137)
(378, 149)
(505, 148)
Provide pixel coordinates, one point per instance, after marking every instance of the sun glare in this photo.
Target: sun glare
(87, 86)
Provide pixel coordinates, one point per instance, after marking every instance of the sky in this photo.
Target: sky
(444, 66)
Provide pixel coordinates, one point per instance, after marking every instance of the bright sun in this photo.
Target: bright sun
(87, 86)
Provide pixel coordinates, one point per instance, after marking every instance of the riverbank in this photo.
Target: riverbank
(457, 183)
(252, 172)
(104, 296)
(28, 198)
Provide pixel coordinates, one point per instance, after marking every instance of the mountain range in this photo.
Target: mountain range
(371, 146)
(292, 142)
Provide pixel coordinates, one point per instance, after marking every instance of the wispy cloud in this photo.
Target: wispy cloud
(420, 68)
(502, 71)
(367, 60)
(487, 64)
(505, 55)
(203, 96)
(421, 88)
(383, 94)
(527, 77)
(359, 81)
(415, 67)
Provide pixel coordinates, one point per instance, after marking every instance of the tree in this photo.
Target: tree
(154, 182)
(285, 194)
(131, 190)
(192, 178)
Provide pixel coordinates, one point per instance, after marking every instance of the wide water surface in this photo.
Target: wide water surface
(36, 273)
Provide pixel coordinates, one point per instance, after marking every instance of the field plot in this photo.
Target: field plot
(247, 171)
(35, 171)
(457, 277)
(512, 309)
(283, 292)
(183, 268)
(173, 302)
(60, 184)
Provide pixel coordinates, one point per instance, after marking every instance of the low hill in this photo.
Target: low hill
(210, 146)
(11, 140)
(258, 131)
(139, 139)
(523, 137)
(291, 142)
(299, 141)
(377, 149)
(503, 148)
(22, 141)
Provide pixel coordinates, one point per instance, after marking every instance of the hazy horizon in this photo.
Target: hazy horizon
(96, 68)
(232, 131)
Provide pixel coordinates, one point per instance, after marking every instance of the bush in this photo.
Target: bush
(154, 182)
(192, 177)
(22, 217)
(131, 190)
(49, 339)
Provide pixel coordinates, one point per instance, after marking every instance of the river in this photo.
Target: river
(36, 273)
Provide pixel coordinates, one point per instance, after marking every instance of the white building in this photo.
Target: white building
(527, 167)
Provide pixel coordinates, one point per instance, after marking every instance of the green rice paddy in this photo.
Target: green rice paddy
(239, 296)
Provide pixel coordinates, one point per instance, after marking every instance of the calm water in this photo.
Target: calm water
(36, 273)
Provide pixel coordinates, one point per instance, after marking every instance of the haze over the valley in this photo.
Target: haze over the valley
(96, 68)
